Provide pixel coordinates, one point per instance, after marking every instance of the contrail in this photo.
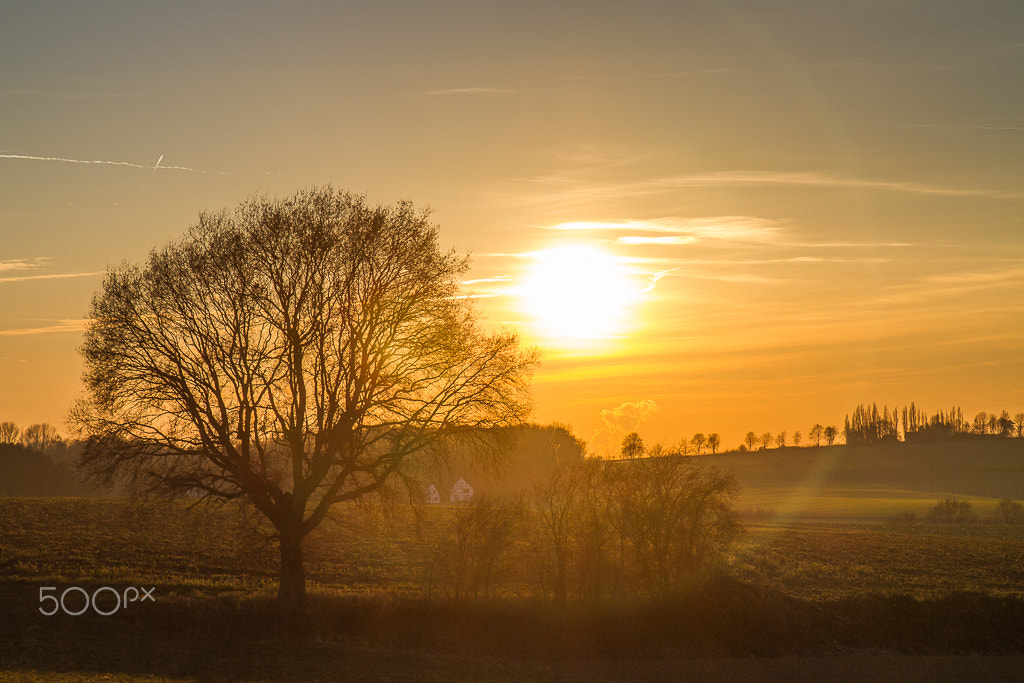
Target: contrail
(157, 165)
(113, 163)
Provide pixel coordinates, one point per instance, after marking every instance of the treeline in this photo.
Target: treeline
(868, 425)
(37, 461)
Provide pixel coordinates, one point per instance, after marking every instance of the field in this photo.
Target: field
(823, 580)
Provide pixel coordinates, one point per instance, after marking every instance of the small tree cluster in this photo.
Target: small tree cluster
(41, 438)
(868, 426)
(475, 554)
(641, 527)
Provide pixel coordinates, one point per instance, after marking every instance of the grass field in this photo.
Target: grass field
(791, 592)
(821, 583)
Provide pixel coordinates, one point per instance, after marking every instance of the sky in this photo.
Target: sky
(710, 216)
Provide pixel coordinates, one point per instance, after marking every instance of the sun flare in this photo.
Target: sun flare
(578, 292)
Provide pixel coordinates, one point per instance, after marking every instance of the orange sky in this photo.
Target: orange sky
(797, 207)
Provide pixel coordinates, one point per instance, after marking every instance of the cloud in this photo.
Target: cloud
(60, 326)
(468, 91)
(18, 264)
(582, 192)
(674, 230)
(51, 276)
(499, 278)
(619, 421)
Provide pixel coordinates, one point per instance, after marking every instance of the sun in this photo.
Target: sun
(577, 293)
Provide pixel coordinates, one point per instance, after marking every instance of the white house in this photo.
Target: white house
(461, 491)
(433, 495)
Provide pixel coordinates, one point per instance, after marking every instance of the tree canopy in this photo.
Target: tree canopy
(295, 353)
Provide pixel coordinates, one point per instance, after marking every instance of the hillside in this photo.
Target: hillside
(875, 482)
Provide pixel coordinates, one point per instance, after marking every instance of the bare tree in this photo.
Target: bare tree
(981, 423)
(714, 441)
(698, 442)
(40, 437)
(296, 353)
(830, 434)
(780, 440)
(1005, 425)
(632, 445)
(766, 441)
(675, 517)
(9, 432)
(751, 440)
(797, 438)
(1018, 420)
(817, 431)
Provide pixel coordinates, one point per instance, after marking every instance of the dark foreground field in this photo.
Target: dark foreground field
(793, 602)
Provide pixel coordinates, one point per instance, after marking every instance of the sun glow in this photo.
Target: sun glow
(578, 293)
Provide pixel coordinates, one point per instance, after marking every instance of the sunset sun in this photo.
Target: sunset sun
(578, 292)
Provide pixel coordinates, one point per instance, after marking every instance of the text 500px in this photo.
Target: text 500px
(104, 600)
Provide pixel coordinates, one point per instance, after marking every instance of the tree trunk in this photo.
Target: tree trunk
(291, 592)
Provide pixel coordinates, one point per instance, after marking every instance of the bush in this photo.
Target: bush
(951, 511)
(1009, 512)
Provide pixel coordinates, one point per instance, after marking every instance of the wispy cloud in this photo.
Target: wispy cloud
(18, 264)
(674, 230)
(500, 278)
(814, 179)
(101, 162)
(469, 91)
(50, 276)
(580, 190)
(59, 326)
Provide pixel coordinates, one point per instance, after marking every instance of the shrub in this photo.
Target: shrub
(1009, 512)
(951, 511)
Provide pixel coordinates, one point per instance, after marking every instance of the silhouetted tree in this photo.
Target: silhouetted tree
(9, 432)
(817, 431)
(797, 438)
(981, 423)
(294, 353)
(632, 446)
(1004, 426)
(714, 441)
(750, 440)
(830, 434)
(869, 426)
(766, 440)
(40, 437)
(1018, 419)
(780, 440)
(698, 442)
(674, 516)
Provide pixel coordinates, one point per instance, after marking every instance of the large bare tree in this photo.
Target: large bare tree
(296, 353)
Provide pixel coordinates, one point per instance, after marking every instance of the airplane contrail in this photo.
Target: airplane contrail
(112, 163)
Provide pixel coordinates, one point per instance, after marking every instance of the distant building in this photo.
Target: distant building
(433, 495)
(461, 491)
